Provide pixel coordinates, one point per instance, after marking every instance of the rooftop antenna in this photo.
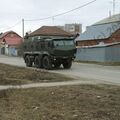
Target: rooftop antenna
(109, 14)
(53, 19)
(114, 5)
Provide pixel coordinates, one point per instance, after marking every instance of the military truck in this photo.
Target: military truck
(49, 53)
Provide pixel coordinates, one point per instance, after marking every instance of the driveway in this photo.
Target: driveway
(82, 72)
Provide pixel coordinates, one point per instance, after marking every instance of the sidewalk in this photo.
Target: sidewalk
(53, 84)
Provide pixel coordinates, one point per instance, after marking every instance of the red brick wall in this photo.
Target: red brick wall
(86, 43)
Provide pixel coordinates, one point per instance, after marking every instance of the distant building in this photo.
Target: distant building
(73, 28)
(9, 43)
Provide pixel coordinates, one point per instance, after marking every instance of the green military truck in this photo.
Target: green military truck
(49, 53)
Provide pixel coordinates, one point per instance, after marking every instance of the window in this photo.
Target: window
(38, 37)
(58, 43)
(64, 43)
(11, 35)
(32, 38)
(69, 42)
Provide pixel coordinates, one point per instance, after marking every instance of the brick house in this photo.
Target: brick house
(9, 43)
(51, 32)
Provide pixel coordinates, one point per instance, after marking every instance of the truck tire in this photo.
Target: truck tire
(37, 62)
(67, 63)
(57, 65)
(47, 63)
(28, 61)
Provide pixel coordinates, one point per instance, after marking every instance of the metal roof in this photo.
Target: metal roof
(101, 31)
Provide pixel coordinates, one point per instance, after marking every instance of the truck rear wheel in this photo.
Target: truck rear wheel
(28, 61)
(67, 63)
(37, 62)
(47, 63)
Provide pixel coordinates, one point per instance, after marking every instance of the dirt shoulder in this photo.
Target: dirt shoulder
(83, 102)
(13, 75)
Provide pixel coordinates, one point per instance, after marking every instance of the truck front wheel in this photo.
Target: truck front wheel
(67, 63)
(47, 62)
(28, 61)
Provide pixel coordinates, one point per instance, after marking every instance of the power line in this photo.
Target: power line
(12, 26)
(54, 16)
(60, 14)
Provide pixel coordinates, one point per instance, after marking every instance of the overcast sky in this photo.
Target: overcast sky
(12, 12)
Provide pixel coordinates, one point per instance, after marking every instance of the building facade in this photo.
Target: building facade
(73, 28)
(9, 43)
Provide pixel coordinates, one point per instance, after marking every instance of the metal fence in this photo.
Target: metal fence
(107, 53)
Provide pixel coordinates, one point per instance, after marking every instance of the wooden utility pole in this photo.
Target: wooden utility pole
(23, 29)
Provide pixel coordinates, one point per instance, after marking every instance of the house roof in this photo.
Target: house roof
(99, 45)
(100, 31)
(11, 40)
(8, 32)
(50, 31)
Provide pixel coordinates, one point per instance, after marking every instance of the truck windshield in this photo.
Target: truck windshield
(63, 43)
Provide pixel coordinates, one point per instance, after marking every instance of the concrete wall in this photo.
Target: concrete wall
(99, 54)
(10, 51)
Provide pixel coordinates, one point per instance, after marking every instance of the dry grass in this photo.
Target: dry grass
(18, 75)
(85, 102)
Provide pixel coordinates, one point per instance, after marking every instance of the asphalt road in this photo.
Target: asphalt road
(80, 71)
